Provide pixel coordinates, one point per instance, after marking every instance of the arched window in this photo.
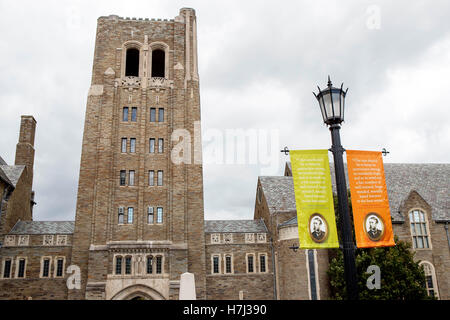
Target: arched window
(430, 279)
(419, 229)
(158, 63)
(132, 63)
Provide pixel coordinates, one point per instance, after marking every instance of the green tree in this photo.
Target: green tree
(401, 277)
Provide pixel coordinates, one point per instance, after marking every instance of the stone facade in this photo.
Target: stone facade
(238, 241)
(16, 180)
(99, 232)
(139, 220)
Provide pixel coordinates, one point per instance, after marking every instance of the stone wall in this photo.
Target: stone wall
(255, 286)
(33, 284)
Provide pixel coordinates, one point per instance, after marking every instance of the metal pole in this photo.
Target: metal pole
(348, 247)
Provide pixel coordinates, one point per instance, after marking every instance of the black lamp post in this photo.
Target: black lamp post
(332, 102)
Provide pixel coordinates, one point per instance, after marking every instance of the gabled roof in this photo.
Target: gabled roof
(12, 173)
(229, 226)
(279, 193)
(430, 181)
(43, 227)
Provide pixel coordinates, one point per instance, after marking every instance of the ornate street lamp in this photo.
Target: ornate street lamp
(332, 103)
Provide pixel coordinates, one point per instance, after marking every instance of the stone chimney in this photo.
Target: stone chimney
(25, 146)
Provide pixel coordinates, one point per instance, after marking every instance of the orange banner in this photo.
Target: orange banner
(371, 214)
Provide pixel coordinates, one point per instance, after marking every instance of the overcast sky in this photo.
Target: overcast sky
(259, 61)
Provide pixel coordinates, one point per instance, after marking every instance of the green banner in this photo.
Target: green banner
(314, 199)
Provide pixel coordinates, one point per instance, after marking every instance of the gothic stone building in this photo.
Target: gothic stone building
(139, 220)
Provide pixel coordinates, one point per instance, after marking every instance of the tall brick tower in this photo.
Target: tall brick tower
(139, 219)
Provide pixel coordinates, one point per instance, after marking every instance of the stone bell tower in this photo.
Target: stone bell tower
(139, 219)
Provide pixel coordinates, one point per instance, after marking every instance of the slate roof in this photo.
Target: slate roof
(430, 181)
(4, 177)
(43, 227)
(230, 226)
(2, 162)
(279, 193)
(12, 173)
(290, 222)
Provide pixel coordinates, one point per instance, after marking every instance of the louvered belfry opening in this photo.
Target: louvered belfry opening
(132, 63)
(158, 63)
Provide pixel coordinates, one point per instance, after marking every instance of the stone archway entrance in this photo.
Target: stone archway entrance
(138, 292)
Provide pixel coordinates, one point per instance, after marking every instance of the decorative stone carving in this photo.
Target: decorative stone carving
(110, 72)
(228, 238)
(215, 238)
(249, 238)
(159, 82)
(61, 240)
(10, 241)
(23, 240)
(48, 240)
(131, 82)
(261, 237)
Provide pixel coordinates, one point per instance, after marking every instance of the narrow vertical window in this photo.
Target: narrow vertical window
(21, 271)
(59, 267)
(46, 268)
(7, 269)
(228, 268)
(151, 177)
(120, 215)
(133, 114)
(152, 114)
(160, 177)
(150, 264)
(125, 114)
(250, 266)
(123, 175)
(159, 215)
(312, 274)
(158, 63)
(262, 263)
(127, 265)
(131, 178)
(160, 145)
(132, 63)
(133, 145)
(152, 145)
(124, 145)
(158, 264)
(130, 215)
(160, 115)
(150, 214)
(118, 265)
(216, 264)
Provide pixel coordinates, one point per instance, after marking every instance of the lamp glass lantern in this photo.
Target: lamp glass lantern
(332, 103)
